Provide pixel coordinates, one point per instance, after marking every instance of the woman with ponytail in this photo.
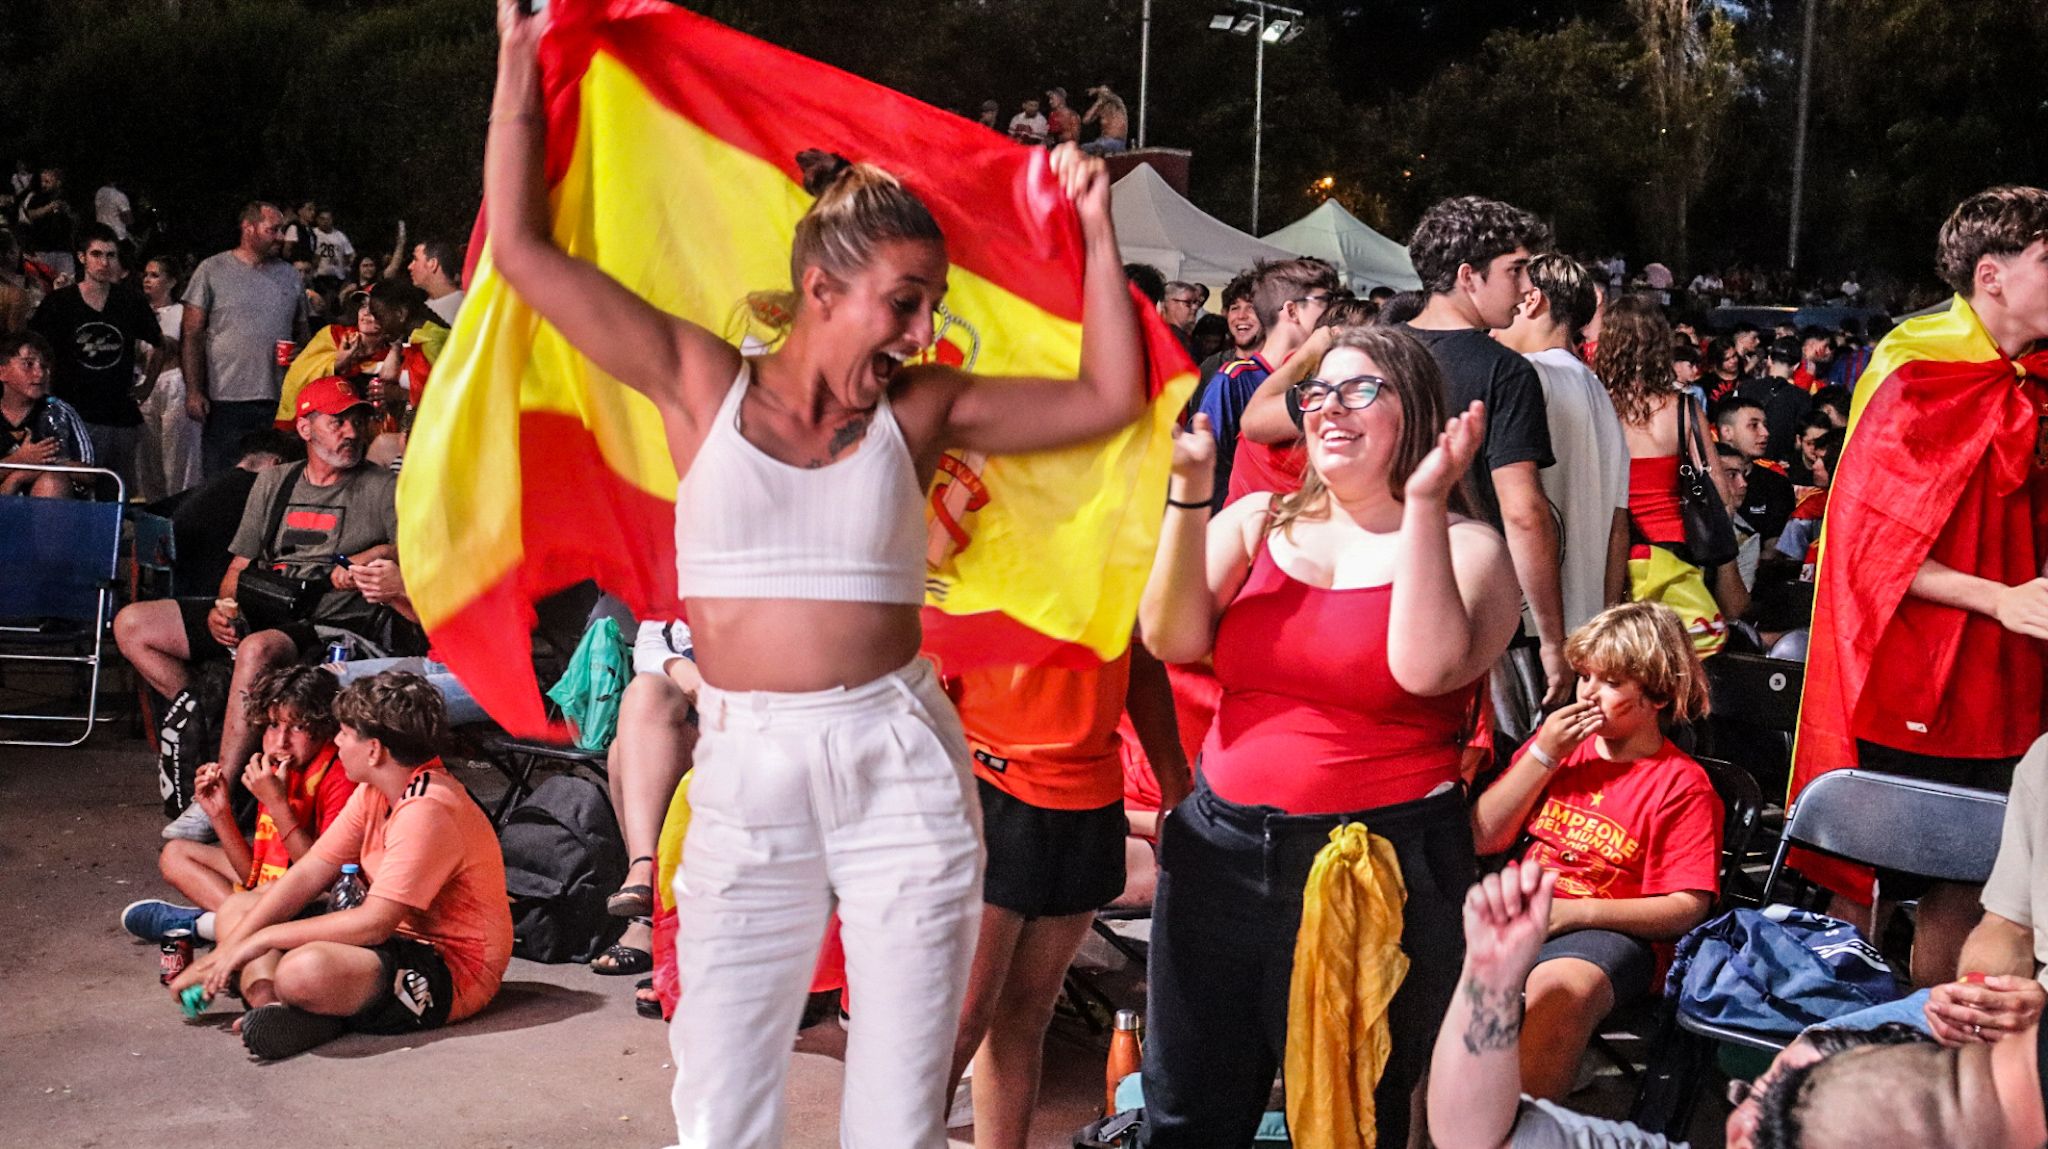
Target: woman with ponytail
(831, 770)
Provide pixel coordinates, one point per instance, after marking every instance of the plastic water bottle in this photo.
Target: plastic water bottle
(349, 889)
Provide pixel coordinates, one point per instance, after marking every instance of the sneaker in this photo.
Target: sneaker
(277, 1031)
(151, 918)
(193, 826)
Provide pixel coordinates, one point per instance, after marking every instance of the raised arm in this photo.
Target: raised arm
(1265, 419)
(1455, 605)
(1202, 561)
(1475, 1075)
(640, 345)
(1010, 416)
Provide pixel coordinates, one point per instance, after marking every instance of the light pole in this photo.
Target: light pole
(1144, 64)
(1264, 29)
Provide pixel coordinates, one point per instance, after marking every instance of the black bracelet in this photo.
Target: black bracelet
(1196, 505)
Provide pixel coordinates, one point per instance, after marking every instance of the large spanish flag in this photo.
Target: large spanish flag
(1941, 462)
(671, 164)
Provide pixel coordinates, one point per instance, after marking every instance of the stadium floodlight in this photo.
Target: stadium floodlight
(1246, 25)
(1222, 21)
(1277, 29)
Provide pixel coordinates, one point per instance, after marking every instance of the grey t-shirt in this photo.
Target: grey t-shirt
(1543, 1125)
(348, 517)
(248, 310)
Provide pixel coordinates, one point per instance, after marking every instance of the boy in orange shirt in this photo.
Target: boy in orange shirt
(299, 788)
(430, 941)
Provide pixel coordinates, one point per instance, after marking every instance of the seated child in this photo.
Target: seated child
(1630, 824)
(430, 941)
(299, 788)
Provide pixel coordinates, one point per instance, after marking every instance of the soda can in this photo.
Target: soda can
(286, 352)
(175, 953)
(337, 652)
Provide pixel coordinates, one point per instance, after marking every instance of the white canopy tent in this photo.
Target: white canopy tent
(1157, 225)
(1365, 258)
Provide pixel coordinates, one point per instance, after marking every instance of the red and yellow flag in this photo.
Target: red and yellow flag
(1943, 444)
(671, 164)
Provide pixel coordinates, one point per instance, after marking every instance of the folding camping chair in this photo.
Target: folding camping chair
(57, 578)
(1926, 829)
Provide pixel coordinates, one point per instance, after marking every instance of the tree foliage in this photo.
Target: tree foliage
(1659, 127)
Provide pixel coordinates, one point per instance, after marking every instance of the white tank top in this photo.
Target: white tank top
(752, 526)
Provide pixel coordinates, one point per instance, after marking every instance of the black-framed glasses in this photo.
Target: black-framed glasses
(1353, 394)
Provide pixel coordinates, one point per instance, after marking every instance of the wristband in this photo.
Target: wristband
(1542, 759)
(1190, 504)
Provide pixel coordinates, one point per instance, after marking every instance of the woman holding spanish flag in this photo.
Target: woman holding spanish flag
(831, 769)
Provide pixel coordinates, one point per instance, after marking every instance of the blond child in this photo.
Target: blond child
(1630, 824)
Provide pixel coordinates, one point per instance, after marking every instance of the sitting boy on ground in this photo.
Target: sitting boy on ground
(300, 789)
(430, 941)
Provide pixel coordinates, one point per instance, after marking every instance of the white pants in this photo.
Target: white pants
(862, 798)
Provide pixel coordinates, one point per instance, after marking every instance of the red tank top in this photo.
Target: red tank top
(1653, 498)
(1311, 719)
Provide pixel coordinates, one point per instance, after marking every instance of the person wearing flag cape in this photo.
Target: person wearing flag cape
(1930, 610)
(832, 771)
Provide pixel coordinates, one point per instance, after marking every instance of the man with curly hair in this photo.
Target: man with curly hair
(1473, 257)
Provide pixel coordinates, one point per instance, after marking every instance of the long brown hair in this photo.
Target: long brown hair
(1634, 358)
(1414, 381)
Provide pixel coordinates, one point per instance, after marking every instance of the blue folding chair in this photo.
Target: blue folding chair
(58, 563)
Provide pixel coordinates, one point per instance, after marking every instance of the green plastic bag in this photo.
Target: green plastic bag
(589, 691)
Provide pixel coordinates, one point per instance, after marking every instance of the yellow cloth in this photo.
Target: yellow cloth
(1347, 965)
(668, 851)
(1666, 578)
(315, 362)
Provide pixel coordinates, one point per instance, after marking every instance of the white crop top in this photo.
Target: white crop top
(752, 526)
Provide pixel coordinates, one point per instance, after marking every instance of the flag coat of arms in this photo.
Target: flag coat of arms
(671, 164)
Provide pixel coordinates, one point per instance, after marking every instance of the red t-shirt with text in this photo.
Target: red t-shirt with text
(1628, 829)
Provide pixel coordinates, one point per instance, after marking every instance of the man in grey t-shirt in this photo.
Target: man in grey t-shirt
(239, 306)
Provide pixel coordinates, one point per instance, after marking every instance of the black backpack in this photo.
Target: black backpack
(189, 734)
(563, 858)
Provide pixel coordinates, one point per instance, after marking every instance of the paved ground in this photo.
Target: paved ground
(94, 1053)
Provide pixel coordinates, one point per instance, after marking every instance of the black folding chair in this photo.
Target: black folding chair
(58, 562)
(1925, 829)
(1755, 710)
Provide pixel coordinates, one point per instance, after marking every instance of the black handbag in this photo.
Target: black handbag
(266, 597)
(1709, 532)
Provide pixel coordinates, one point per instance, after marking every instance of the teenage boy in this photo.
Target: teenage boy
(429, 943)
(1473, 257)
(300, 789)
(1784, 402)
(1926, 656)
(94, 326)
(1290, 296)
(1742, 424)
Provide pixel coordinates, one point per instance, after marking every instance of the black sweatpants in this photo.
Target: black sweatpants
(1223, 928)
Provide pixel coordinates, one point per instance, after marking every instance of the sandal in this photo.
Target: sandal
(634, 901)
(623, 960)
(647, 1007)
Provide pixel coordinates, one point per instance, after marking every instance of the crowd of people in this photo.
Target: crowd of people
(1439, 580)
(1056, 121)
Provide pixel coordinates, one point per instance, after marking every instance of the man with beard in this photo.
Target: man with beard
(301, 520)
(239, 305)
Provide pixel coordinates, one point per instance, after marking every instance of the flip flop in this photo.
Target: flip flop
(634, 901)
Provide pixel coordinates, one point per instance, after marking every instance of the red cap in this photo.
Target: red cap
(330, 395)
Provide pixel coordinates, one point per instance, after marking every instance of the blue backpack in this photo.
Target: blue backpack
(1777, 971)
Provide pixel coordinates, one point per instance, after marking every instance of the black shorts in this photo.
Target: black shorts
(417, 994)
(1050, 863)
(1628, 962)
(200, 641)
(1976, 773)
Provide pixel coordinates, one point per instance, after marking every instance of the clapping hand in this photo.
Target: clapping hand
(1452, 456)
